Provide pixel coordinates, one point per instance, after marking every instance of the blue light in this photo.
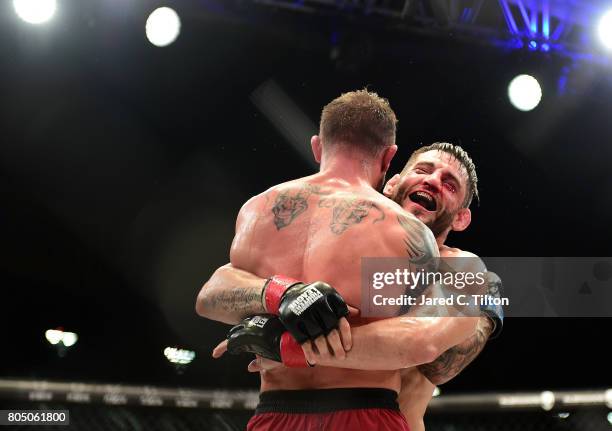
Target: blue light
(533, 45)
(545, 47)
(545, 19)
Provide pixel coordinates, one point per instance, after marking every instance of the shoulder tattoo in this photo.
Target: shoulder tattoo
(420, 243)
(347, 212)
(290, 203)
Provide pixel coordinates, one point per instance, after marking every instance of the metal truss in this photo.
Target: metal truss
(561, 27)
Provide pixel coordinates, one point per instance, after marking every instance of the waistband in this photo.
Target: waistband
(326, 400)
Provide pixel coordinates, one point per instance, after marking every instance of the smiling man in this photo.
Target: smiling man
(436, 186)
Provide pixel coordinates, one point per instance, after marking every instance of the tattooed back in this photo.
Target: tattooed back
(319, 228)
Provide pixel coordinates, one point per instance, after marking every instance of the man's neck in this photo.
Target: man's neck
(441, 239)
(354, 169)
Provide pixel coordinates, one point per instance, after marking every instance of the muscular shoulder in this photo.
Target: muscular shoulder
(409, 236)
(297, 188)
(462, 260)
(446, 251)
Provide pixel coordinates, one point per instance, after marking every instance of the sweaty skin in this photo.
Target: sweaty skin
(232, 294)
(319, 228)
(418, 383)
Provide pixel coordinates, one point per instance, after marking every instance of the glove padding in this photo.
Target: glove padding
(266, 336)
(311, 310)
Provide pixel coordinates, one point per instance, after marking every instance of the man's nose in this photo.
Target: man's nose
(434, 182)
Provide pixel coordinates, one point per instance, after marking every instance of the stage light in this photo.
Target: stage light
(547, 400)
(34, 11)
(610, 418)
(436, 392)
(563, 415)
(163, 26)
(69, 339)
(53, 336)
(56, 336)
(524, 92)
(533, 45)
(605, 29)
(179, 356)
(545, 47)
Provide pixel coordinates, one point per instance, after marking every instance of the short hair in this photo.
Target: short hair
(361, 119)
(459, 154)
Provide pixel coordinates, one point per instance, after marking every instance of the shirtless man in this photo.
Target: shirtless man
(448, 174)
(318, 227)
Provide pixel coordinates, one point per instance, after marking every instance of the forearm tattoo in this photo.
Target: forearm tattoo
(455, 359)
(245, 301)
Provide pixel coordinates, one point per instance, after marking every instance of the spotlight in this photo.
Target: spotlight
(547, 400)
(605, 29)
(61, 339)
(69, 339)
(545, 47)
(57, 336)
(35, 11)
(436, 392)
(53, 336)
(524, 92)
(610, 418)
(533, 45)
(179, 356)
(163, 26)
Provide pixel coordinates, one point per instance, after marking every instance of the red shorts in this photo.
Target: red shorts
(351, 409)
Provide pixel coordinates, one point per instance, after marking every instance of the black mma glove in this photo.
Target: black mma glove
(266, 336)
(306, 310)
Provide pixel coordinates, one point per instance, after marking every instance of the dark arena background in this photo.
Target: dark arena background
(123, 165)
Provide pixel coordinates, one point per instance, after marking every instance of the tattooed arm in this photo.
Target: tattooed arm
(406, 341)
(230, 295)
(455, 359)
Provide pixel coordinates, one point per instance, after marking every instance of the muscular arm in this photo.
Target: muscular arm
(454, 360)
(230, 295)
(400, 342)
(389, 344)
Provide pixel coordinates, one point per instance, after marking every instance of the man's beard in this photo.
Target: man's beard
(438, 224)
(441, 222)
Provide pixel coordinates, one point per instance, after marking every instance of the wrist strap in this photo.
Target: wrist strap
(273, 291)
(292, 354)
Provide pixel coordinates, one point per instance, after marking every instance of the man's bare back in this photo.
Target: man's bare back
(320, 227)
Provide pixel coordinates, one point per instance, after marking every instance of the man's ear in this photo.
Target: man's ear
(462, 220)
(388, 155)
(317, 148)
(391, 185)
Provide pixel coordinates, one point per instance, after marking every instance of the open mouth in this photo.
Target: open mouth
(424, 199)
